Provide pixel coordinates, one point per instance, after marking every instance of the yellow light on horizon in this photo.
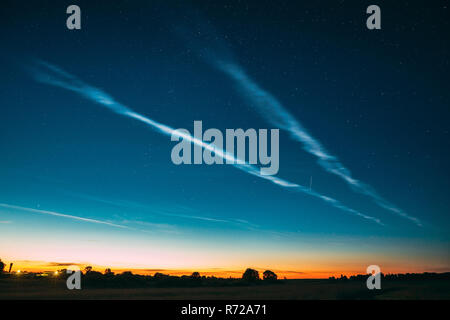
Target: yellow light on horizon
(56, 273)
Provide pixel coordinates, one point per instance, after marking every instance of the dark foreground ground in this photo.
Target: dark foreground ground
(289, 289)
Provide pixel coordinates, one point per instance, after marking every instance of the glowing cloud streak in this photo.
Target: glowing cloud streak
(57, 214)
(276, 114)
(49, 74)
(212, 48)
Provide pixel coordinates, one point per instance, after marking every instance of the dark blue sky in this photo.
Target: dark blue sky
(377, 100)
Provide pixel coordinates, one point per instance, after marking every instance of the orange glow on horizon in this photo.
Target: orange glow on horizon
(319, 273)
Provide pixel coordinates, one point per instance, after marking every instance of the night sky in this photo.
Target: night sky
(80, 183)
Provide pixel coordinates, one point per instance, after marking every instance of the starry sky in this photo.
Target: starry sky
(80, 183)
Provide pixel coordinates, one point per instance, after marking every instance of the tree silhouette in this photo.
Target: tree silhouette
(269, 276)
(88, 269)
(250, 275)
(108, 271)
(128, 274)
(195, 275)
(94, 275)
(160, 275)
(2, 266)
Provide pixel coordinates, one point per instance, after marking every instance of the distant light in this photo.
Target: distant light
(56, 273)
(18, 271)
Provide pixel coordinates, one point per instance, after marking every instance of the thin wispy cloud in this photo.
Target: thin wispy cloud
(125, 224)
(181, 213)
(62, 264)
(62, 215)
(52, 75)
(159, 227)
(196, 217)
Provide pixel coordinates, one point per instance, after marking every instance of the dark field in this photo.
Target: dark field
(14, 288)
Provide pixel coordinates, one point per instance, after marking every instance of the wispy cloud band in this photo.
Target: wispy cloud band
(50, 74)
(275, 113)
(62, 215)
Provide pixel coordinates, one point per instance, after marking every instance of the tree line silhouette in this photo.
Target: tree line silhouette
(92, 278)
(108, 279)
(396, 277)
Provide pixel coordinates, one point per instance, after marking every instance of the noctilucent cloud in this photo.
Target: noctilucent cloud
(364, 139)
